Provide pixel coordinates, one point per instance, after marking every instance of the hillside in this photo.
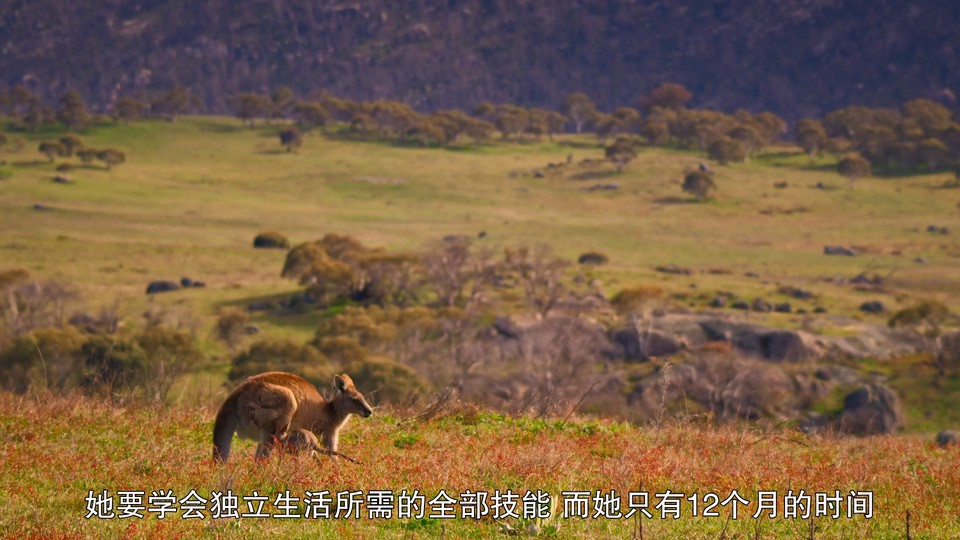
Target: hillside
(797, 58)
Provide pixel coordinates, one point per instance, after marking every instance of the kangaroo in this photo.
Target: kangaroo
(267, 406)
(302, 440)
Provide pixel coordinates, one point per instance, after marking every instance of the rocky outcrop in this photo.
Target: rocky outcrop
(870, 410)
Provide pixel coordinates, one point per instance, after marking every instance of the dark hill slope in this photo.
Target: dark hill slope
(795, 57)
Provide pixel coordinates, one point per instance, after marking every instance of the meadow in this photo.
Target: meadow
(193, 194)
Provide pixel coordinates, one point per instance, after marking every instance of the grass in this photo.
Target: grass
(56, 449)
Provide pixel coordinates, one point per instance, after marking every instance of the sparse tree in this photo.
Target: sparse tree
(579, 108)
(174, 102)
(283, 101)
(128, 109)
(853, 167)
(231, 327)
(726, 149)
(87, 155)
(511, 120)
(111, 157)
(291, 138)
(699, 184)
(667, 96)
(71, 144)
(52, 149)
(810, 136)
(539, 272)
(72, 111)
(620, 153)
(248, 107)
(925, 319)
(311, 115)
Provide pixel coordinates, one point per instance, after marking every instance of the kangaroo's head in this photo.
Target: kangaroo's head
(350, 397)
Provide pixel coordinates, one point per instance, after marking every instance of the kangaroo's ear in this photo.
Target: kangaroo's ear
(339, 383)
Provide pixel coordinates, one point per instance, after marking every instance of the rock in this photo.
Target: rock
(950, 348)
(838, 250)
(783, 308)
(819, 309)
(719, 302)
(864, 278)
(538, 174)
(873, 307)
(507, 328)
(799, 294)
(42, 208)
(198, 284)
(801, 311)
(920, 260)
(162, 286)
(780, 185)
(948, 437)
(656, 343)
(259, 306)
(777, 345)
(937, 230)
(870, 410)
(740, 304)
(251, 329)
(482, 234)
(602, 187)
(270, 240)
(62, 179)
(593, 258)
(759, 304)
(186, 282)
(673, 269)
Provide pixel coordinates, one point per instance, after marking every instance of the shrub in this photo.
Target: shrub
(283, 355)
(593, 257)
(386, 379)
(49, 357)
(112, 364)
(231, 326)
(699, 184)
(726, 149)
(638, 298)
(271, 240)
(169, 354)
(853, 167)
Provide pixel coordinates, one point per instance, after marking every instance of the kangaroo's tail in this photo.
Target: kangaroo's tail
(223, 429)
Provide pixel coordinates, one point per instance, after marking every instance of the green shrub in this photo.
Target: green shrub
(50, 357)
(271, 240)
(283, 355)
(386, 380)
(114, 364)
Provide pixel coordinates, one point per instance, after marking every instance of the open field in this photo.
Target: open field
(56, 450)
(193, 193)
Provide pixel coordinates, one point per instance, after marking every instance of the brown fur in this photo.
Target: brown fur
(267, 406)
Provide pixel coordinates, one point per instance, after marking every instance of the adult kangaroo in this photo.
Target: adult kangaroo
(267, 406)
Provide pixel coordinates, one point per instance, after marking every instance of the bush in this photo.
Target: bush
(725, 150)
(231, 326)
(50, 357)
(594, 258)
(112, 364)
(386, 380)
(699, 184)
(283, 355)
(169, 353)
(271, 240)
(638, 298)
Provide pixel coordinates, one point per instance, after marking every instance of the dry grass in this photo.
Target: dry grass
(57, 448)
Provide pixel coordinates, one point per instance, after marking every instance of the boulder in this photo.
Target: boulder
(162, 286)
(186, 282)
(870, 410)
(759, 304)
(950, 348)
(783, 308)
(838, 250)
(507, 328)
(656, 343)
(593, 258)
(251, 329)
(873, 306)
(947, 438)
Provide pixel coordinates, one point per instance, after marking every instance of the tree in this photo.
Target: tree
(291, 138)
(128, 109)
(72, 111)
(931, 116)
(52, 149)
(452, 265)
(427, 133)
(311, 115)
(933, 152)
(620, 153)
(750, 137)
(539, 272)
(71, 144)
(248, 107)
(853, 167)
(667, 96)
(726, 149)
(579, 108)
(810, 136)
(511, 120)
(87, 155)
(111, 157)
(699, 184)
(283, 101)
(174, 102)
